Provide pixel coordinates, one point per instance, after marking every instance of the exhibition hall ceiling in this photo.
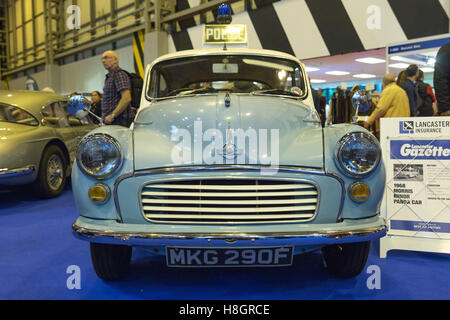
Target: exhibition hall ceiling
(363, 65)
(344, 67)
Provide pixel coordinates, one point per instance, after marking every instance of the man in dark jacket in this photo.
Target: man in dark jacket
(409, 86)
(442, 80)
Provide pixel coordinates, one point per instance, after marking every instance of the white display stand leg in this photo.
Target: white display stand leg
(394, 242)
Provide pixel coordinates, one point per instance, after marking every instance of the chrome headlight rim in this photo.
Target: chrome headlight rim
(107, 138)
(338, 153)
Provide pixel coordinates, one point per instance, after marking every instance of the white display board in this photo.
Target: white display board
(416, 205)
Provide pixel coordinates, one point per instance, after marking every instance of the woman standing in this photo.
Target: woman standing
(96, 106)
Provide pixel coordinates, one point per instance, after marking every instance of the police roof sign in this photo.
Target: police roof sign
(224, 34)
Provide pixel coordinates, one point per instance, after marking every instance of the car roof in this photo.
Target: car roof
(31, 101)
(228, 51)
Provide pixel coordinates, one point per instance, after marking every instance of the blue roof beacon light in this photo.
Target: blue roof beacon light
(224, 14)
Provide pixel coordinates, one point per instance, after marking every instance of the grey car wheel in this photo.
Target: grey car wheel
(51, 178)
(55, 171)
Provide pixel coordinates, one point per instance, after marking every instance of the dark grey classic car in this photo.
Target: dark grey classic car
(38, 140)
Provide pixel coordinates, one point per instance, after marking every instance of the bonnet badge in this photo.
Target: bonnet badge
(229, 150)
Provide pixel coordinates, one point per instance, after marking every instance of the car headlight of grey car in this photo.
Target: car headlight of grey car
(99, 155)
(358, 154)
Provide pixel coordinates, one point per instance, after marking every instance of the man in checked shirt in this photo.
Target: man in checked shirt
(116, 93)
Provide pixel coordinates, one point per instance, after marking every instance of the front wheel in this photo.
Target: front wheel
(111, 262)
(346, 260)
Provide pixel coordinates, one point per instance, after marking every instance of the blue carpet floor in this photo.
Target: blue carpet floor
(37, 247)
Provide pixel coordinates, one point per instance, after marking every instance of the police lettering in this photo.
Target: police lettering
(225, 34)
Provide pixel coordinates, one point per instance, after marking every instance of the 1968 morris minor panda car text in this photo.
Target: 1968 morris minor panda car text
(227, 165)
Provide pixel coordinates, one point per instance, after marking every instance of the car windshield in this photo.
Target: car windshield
(14, 114)
(232, 73)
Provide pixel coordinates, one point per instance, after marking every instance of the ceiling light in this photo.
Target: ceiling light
(431, 61)
(282, 74)
(370, 60)
(364, 76)
(427, 69)
(317, 81)
(408, 60)
(337, 73)
(430, 54)
(311, 69)
(399, 65)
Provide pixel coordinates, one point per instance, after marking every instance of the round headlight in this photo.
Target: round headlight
(358, 154)
(99, 155)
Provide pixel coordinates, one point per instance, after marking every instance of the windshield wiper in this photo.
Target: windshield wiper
(186, 91)
(275, 91)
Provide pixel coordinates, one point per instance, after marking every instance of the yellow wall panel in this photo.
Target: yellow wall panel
(102, 7)
(28, 9)
(38, 6)
(85, 7)
(40, 29)
(29, 35)
(18, 13)
(19, 40)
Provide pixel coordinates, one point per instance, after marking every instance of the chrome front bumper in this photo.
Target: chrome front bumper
(113, 232)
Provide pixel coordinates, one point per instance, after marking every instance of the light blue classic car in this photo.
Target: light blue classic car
(227, 165)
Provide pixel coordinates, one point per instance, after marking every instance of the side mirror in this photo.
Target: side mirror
(360, 102)
(79, 107)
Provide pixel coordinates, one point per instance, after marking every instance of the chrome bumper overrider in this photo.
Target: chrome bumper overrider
(300, 238)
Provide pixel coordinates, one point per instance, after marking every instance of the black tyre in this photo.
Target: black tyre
(52, 177)
(346, 260)
(111, 262)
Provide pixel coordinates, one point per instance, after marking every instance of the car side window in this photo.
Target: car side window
(54, 116)
(158, 85)
(14, 114)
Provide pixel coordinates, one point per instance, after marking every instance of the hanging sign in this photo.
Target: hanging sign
(224, 34)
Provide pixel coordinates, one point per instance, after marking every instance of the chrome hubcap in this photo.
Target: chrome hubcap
(55, 172)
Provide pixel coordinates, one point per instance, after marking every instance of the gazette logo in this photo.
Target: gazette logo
(420, 149)
(406, 127)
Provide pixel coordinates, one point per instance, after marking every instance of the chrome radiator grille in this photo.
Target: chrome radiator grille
(229, 201)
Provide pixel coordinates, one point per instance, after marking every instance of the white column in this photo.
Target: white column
(156, 44)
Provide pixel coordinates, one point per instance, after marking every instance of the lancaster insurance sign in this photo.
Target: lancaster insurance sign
(417, 157)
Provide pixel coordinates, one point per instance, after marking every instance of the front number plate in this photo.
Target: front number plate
(229, 257)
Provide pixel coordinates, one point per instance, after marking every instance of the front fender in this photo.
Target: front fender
(81, 182)
(376, 180)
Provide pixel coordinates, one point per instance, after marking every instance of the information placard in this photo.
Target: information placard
(416, 206)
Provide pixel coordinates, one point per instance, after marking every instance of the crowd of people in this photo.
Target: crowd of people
(407, 95)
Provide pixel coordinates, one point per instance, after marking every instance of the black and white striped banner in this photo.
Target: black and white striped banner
(316, 28)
